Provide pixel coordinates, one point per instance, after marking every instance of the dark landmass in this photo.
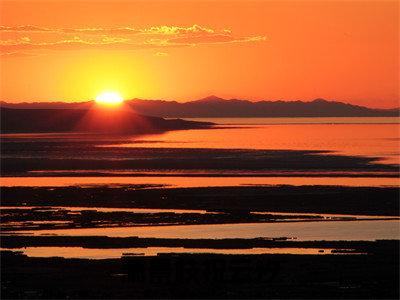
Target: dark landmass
(56, 218)
(38, 218)
(369, 276)
(367, 270)
(106, 155)
(381, 201)
(21, 156)
(105, 121)
(213, 106)
(104, 242)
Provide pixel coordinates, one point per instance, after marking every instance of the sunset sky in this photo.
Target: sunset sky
(183, 50)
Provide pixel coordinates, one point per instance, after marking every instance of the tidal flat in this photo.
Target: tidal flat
(239, 200)
(227, 212)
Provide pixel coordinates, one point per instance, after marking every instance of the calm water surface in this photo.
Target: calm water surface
(303, 231)
(372, 137)
(305, 120)
(78, 252)
(190, 182)
(351, 136)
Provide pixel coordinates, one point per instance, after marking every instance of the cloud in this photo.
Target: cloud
(108, 39)
(24, 28)
(102, 31)
(119, 38)
(214, 39)
(161, 54)
(161, 30)
(18, 54)
(176, 30)
(78, 44)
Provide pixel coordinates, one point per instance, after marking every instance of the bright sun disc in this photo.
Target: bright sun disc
(109, 98)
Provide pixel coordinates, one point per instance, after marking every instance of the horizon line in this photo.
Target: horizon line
(189, 101)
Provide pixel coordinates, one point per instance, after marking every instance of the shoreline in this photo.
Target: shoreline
(299, 199)
(205, 276)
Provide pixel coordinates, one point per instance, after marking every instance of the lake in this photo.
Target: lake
(377, 137)
(302, 231)
(352, 152)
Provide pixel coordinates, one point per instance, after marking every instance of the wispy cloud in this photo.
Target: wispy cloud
(164, 30)
(24, 28)
(161, 54)
(215, 39)
(120, 38)
(101, 31)
(176, 30)
(16, 54)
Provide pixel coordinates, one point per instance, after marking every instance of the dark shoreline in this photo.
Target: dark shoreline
(98, 174)
(349, 269)
(20, 218)
(205, 276)
(381, 201)
(93, 119)
(27, 156)
(104, 242)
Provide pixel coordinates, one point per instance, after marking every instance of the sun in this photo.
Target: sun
(109, 98)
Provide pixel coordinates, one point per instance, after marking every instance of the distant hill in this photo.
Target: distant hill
(213, 106)
(87, 120)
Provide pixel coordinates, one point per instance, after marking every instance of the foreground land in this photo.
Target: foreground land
(52, 157)
(345, 269)
(105, 242)
(91, 119)
(233, 200)
(373, 275)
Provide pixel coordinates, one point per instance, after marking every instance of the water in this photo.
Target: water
(377, 137)
(303, 231)
(185, 211)
(158, 159)
(89, 253)
(305, 120)
(193, 181)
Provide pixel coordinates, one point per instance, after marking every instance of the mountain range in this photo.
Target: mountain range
(214, 106)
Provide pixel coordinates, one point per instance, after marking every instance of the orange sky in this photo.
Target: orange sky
(183, 50)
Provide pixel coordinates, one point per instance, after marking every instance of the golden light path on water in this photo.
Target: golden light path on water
(78, 252)
(188, 182)
(349, 138)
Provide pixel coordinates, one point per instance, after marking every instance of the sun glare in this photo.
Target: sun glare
(109, 98)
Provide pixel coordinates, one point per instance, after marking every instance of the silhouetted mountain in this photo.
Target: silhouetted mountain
(209, 99)
(87, 120)
(214, 106)
(217, 107)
